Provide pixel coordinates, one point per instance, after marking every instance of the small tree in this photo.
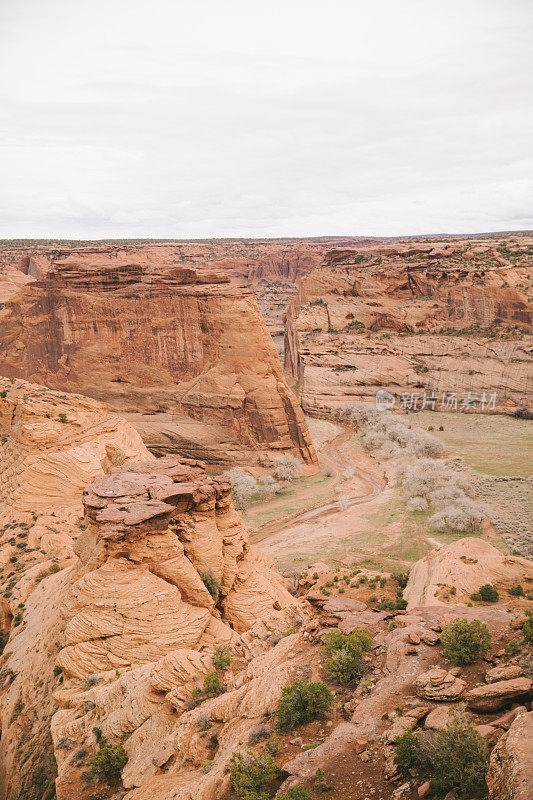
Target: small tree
(222, 657)
(287, 468)
(213, 684)
(464, 642)
(302, 702)
(455, 757)
(487, 593)
(252, 776)
(459, 758)
(109, 761)
(211, 583)
(346, 664)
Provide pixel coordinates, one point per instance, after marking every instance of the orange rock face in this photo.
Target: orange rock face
(450, 318)
(127, 619)
(182, 353)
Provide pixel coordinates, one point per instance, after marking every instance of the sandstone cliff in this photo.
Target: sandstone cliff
(182, 353)
(448, 318)
(51, 446)
(164, 572)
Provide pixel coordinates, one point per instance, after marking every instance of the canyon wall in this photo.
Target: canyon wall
(181, 352)
(440, 326)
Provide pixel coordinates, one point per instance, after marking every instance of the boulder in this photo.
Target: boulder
(494, 696)
(510, 774)
(503, 673)
(439, 684)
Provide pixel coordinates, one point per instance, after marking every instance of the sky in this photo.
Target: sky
(212, 118)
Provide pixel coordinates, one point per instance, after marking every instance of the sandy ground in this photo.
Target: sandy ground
(355, 516)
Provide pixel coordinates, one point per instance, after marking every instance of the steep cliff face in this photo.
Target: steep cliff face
(271, 268)
(11, 280)
(119, 638)
(441, 319)
(182, 353)
(51, 446)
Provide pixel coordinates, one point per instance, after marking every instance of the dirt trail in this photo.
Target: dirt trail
(362, 487)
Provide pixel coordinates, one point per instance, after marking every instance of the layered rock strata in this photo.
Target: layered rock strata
(164, 572)
(430, 324)
(182, 353)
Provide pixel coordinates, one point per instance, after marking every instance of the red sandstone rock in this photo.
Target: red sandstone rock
(188, 362)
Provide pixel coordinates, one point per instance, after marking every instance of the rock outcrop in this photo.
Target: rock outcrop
(182, 353)
(420, 319)
(164, 573)
(510, 775)
(465, 564)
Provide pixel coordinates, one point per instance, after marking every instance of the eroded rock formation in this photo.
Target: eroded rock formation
(466, 565)
(434, 319)
(182, 353)
(164, 572)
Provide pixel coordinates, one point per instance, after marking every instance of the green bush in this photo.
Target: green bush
(401, 578)
(458, 759)
(302, 702)
(222, 657)
(512, 648)
(464, 642)
(517, 591)
(406, 752)
(213, 684)
(252, 776)
(211, 583)
(108, 762)
(527, 631)
(346, 664)
(487, 593)
(455, 757)
(296, 793)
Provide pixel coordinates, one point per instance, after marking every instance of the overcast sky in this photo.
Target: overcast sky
(165, 118)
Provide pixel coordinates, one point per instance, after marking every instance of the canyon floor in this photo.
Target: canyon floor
(352, 512)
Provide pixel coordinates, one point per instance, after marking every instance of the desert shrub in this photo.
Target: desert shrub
(487, 593)
(464, 642)
(512, 648)
(222, 657)
(211, 583)
(252, 776)
(406, 751)
(454, 757)
(273, 746)
(523, 413)
(346, 664)
(109, 761)
(527, 631)
(389, 434)
(517, 591)
(458, 759)
(54, 568)
(296, 793)
(401, 578)
(260, 732)
(213, 684)
(302, 702)
(286, 468)
(417, 504)
(243, 485)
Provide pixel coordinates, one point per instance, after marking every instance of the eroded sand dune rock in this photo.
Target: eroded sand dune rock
(164, 573)
(182, 353)
(466, 564)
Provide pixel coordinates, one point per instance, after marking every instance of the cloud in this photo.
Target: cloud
(167, 119)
